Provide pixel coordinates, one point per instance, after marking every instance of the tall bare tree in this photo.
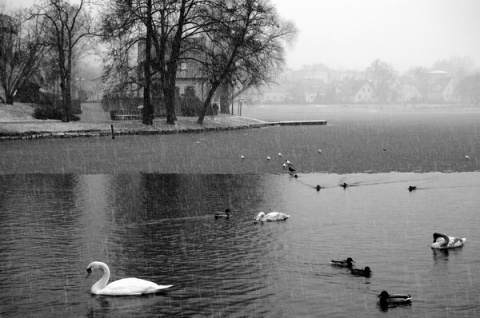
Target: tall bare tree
(67, 25)
(246, 44)
(21, 51)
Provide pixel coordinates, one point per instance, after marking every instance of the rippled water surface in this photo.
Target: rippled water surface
(145, 204)
(161, 227)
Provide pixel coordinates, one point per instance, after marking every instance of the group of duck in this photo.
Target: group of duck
(440, 241)
(384, 298)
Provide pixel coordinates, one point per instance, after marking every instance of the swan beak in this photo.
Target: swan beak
(89, 271)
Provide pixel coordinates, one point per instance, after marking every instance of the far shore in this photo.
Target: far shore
(17, 121)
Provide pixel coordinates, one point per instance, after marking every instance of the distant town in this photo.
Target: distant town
(377, 84)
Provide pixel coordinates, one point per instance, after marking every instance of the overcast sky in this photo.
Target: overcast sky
(351, 34)
(403, 33)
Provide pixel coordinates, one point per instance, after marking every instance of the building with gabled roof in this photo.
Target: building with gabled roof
(356, 91)
(408, 93)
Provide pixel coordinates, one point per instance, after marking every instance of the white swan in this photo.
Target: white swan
(442, 241)
(121, 287)
(272, 216)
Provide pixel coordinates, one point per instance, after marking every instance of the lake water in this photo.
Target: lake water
(155, 225)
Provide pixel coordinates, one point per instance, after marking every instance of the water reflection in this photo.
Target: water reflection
(162, 228)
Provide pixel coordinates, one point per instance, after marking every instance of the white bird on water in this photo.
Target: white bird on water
(271, 217)
(121, 287)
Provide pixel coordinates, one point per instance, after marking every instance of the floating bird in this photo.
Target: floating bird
(288, 162)
(318, 187)
(242, 157)
(365, 272)
(344, 185)
(345, 263)
(280, 154)
(385, 298)
(224, 216)
(121, 287)
(291, 170)
(411, 188)
(268, 158)
(467, 157)
(272, 216)
(319, 150)
(284, 166)
(442, 241)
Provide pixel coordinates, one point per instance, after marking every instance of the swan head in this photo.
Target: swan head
(96, 265)
(259, 216)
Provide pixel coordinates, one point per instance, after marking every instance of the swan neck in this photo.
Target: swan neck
(103, 281)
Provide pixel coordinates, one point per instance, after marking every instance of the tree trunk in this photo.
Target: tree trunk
(169, 95)
(224, 99)
(206, 104)
(9, 98)
(66, 102)
(148, 111)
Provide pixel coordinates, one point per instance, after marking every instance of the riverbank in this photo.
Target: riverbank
(17, 122)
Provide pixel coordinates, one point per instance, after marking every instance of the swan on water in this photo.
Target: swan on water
(121, 287)
(442, 241)
(272, 216)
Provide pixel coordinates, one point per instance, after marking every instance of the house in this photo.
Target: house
(355, 91)
(315, 91)
(189, 79)
(276, 93)
(441, 90)
(408, 93)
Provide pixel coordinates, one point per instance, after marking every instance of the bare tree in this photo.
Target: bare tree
(246, 44)
(67, 25)
(21, 51)
(383, 77)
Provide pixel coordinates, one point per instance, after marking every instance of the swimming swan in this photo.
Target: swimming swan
(121, 287)
(442, 241)
(272, 216)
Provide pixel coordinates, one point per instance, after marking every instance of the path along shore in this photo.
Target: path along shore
(16, 122)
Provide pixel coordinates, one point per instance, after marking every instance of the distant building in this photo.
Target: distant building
(408, 93)
(442, 90)
(189, 78)
(355, 91)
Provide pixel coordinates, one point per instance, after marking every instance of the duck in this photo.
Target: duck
(272, 216)
(291, 170)
(385, 298)
(411, 188)
(442, 241)
(344, 185)
(365, 272)
(345, 263)
(121, 287)
(318, 187)
(224, 216)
